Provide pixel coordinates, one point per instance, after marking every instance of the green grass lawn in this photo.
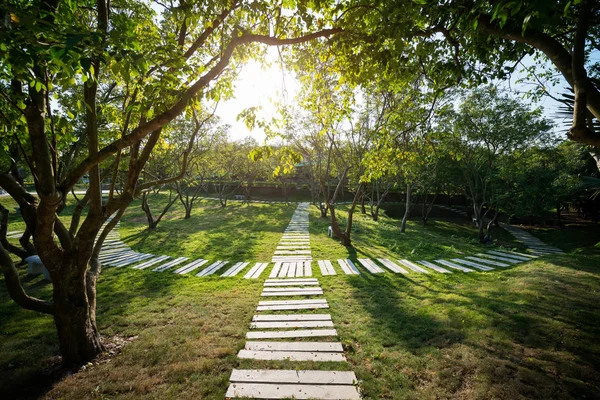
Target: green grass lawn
(529, 331)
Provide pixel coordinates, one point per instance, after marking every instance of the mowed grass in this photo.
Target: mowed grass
(237, 232)
(443, 237)
(529, 331)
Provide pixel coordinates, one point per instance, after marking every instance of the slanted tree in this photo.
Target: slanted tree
(148, 66)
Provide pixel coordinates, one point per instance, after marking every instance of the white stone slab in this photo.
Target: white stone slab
(333, 347)
(472, 264)
(300, 333)
(212, 268)
(290, 324)
(170, 264)
(275, 270)
(285, 267)
(291, 355)
(348, 267)
(280, 302)
(290, 289)
(315, 292)
(256, 270)
(291, 281)
(285, 391)
(292, 270)
(435, 267)
(190, 267)
(134, 260)
(371, 266)
(307, 268)
(411, 265)
(151, 262)
(291, 252)
(525, 257)
(392, 266)
(326, 267)
(454, 265)
(487, 261)
(293, 307)
(237, 267)
(292, 317)
(503, 259)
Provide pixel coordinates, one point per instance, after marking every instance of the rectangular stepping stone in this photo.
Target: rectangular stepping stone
(504, 259)
(300, 333)
(326, 267)
(285, 391)
(291, 282)
(296, 247)
(453, 265)
(290, 324)
(285, 267)
(528, 256)
(111, 256)
(333, 347)
(119, 257)
(287, 302)
(151, 262)
(118, 261)
(511, 256)
(291, 305)
(211, 269)
(411, 265)
(290, 289)
(307, 268)
(392, 266)
(190, 267)
(314, 292)
(472, 264)
(348, 267)
(292, 317)
(292, 270)
(256, 270)
(291, 252)
(170, 264)
(291, 355)
(275, 270)
(134, 260)
(487, 261)
(237, 267)
(435, 267)
(370, 265)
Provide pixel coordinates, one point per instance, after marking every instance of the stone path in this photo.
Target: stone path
(535, 245)
(277, 326)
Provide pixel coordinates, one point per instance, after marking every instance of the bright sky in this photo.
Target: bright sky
(259, 86)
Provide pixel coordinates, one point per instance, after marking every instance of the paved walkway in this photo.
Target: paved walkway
(290, 325)
(535, 245)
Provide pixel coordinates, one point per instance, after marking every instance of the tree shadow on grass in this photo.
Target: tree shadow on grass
(530, 332)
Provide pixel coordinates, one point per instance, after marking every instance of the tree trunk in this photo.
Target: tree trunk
(362, 204)
(147, 211)
(407, 209)
(75, 313)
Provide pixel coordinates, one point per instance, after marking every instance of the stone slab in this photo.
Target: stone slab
(472, 264)
(300, 333)
(454, 266)
(392, 266)
(412, 266)
(295, 346)
(371, 266)
(152, 262)
(291, 355)
(299, 392)
(290, 324)
(487, 261)
(434, 267)
(292, 317)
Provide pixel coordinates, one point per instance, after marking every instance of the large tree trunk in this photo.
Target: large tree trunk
(75, 314)
(407, 209)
